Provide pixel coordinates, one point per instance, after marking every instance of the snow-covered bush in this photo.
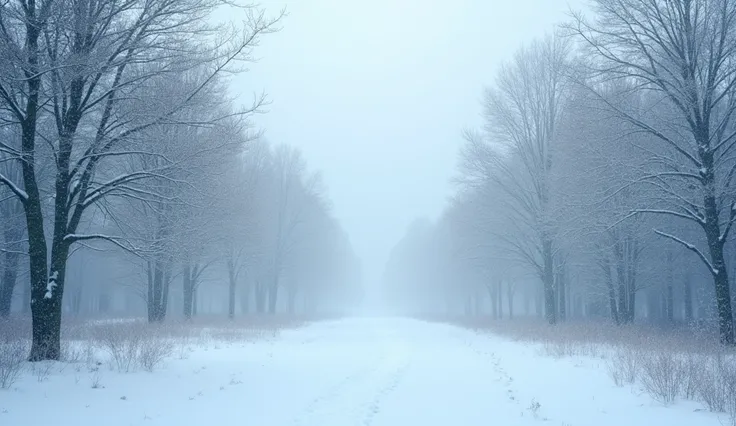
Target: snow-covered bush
(153, 351)
(717, 383)
(122, 343)
(134, 345)
(13, 352)
(623, 365)
(12, 358)
(692, 374)
(662, 375)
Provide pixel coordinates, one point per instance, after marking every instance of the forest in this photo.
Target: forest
(132, 181)
(601, 184)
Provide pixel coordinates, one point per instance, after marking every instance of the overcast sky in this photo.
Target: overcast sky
(377, 92)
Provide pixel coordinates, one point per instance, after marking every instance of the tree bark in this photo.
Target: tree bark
(669, 291)
(605, 264)
(232, 278)
(10, 274)
(561, 296)
(719, 273)
(158, 290)
(510, 295)
(292, 300)
(260, 297)
(493, 293)
(188, 291)
(273, 292)
(499, 284)
(46, 308)
(688, 299)
(245, 299)
(549, 282)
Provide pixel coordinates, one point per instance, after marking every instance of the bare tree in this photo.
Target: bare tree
(89, 65)
(522, 114)
(681, 52)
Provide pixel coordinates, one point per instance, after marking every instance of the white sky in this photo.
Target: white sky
(376, 94)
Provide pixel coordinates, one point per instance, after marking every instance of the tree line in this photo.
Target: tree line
(602, 181)
(121, 149)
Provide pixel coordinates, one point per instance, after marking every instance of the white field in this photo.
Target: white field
(351, 372)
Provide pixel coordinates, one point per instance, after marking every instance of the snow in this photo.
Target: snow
(23, 195)
(367, 372)
(51, 285)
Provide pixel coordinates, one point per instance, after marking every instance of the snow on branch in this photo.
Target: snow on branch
(21, 194)
(690, 247)
(120, 242)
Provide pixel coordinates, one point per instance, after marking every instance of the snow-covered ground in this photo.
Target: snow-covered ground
(352, 372)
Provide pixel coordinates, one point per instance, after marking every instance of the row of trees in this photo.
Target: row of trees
(604, 173)
(116, 131)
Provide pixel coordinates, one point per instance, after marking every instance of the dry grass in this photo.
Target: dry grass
(669, 364)
(129, 344)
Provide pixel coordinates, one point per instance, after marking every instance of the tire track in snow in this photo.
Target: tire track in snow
(356, 399)
(323, 402)
(394, 379)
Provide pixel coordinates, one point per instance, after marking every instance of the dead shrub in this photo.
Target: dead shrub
(712, 386)
(662, 375)
(153, 351)
(12, 360)
(623, 365)
(14, 348)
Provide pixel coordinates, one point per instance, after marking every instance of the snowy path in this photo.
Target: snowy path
(355, 372)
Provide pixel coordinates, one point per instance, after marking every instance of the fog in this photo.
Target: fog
(377, 95)
(334, 212)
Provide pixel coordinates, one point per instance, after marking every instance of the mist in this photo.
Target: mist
(331, 212)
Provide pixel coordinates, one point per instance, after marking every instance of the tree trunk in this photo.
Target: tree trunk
(292, 300)
(188, 291)
(76, 303)
(688, 299)
(669, 291)
(605, 264)
(632, 266)
(561, 296)
(260, 297)
(10, 274)
(232, 278)
(548, 279)
(510, 295)
(499, 284)
(493, 293)
(166, 287)
(711, 226)
(273, 292)
(245, 299)
(194, 302)
(538, 301)
(46, 307)
(158, 291)
(45, 313)
(619, 256)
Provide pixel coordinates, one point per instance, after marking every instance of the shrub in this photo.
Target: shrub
(712, 386)
(123, 344)
(133, 345)
(662, 375)
(623, 365)
(12, 359)
(153, 351)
